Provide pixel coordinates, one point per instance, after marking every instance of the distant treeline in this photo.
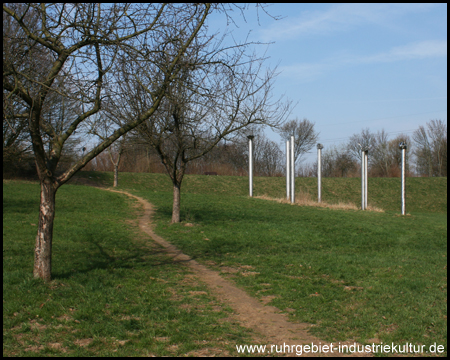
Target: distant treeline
(426, 156)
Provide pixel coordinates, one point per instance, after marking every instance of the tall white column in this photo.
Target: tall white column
(319, 172)
(366, 178)
(250, 164)
(403, 147)
(292, 171)
(363, 181)
(288, 170)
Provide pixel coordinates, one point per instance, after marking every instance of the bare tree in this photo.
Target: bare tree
(329, 161)
(229, 158)
(365, 139)
(431, 148)
(80, 51)
(267, 155)
(386, 156)
(100, 128)
(381, 159)
(305, 137)
(209, 101)
(338, 162)
(395, 154)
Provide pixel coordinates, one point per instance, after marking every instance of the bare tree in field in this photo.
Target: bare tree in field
(305, 137)
(337, 162)
(210, 100)
(396, 154)
(112, 116)
(366, 139)
(380, 154)
(100, 128)
(268, 157)
(386, 156)
(431, 148)
(82, 52)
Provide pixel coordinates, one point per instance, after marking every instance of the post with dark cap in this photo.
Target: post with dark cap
(288, 168)
(363, 182)
(364, 177)
(319, 172)
(250, 163)
(402, 146)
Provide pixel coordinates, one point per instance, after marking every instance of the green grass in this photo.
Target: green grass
(423, 195)
(364, 276)
(357, 275)
(112, 293)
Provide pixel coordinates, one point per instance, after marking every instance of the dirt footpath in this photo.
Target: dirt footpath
(266, 320)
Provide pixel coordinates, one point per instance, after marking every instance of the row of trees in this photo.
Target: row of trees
(227, 157)
(426, 154)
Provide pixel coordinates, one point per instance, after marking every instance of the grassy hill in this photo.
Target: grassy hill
(422, 194)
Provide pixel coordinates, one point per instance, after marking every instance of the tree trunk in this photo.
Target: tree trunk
(43, 249)
(176, 203)
(116, 175)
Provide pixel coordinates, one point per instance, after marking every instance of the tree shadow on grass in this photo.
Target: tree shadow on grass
(20, 206)
(99, 258)
(210, 213)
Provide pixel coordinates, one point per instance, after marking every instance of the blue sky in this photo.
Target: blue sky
(353, 66)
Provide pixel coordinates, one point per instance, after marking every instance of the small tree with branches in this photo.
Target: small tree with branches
(305, 137)
(205, 104)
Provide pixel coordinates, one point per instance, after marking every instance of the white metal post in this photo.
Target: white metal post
(250, 163)
(319, 172)
(292, 171)
(403, 147)
(288, 167)
(366, 177)
(363, 181)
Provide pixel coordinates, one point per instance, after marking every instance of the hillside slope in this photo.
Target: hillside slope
(422, 194)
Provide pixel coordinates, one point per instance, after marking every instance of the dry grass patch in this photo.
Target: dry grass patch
(304, 199)
(194, 293)
(83, 342)
(57, 346)
(267, 299)
(229, 270)
(247, 267)
(249, 273)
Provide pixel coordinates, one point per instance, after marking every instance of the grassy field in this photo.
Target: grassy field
(364, 276)
(367, 276)
(423, 195)
(113, 293)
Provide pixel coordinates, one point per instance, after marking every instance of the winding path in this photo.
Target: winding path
(250, 312)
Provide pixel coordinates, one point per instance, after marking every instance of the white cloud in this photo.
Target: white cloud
(418, 50)
(340, 17)
(305, 71)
